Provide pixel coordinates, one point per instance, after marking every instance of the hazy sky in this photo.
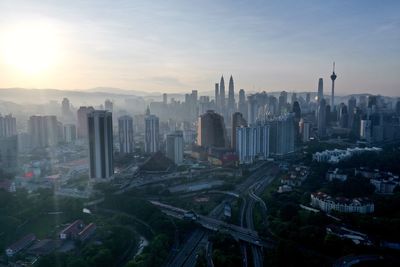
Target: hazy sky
(172, 46)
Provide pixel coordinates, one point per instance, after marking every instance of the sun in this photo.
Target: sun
(31, 47)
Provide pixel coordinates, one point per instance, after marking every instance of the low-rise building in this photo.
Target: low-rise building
(87, 232)
(337, 155)
(327, 203)
(384, 182)
(21, 244)
(336, 174)
(72, 230)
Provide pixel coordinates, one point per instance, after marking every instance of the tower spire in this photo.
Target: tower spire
(333, 78)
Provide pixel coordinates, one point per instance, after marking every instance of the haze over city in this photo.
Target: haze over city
(173, 46)
(173, 133)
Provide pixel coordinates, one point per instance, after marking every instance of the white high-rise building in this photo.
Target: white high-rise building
(175, 147)
(252, 143)
(100, 134)
(152, 135)
(125, 131)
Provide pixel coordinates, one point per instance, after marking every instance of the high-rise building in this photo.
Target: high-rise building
(352, 103)
(65, 108)
(242, 107)
(398, 107)
(174, 147)
(9, 153)
(125, 133)
(305, 128)
(231, 97)
(211, 130)
(152, 133)
(343, 116)
(253, 142)
(321, 118)
(165, 99)
(8, 126)
(333, 78)
(222, 94)
(108, 105)
(282, 103)
(69, 133)
(237, 121)
(320, 94)
(217, 100)
(281, 134)
(100, 135)
(252, 109)
(366, 130)
(82, 128)
(44, 131)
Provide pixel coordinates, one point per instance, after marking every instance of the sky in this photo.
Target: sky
(177, 46)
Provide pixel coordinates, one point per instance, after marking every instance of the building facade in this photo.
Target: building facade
(100, 134)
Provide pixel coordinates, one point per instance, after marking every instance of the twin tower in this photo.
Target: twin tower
(220, 99)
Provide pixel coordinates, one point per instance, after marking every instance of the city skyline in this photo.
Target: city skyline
(175, 46)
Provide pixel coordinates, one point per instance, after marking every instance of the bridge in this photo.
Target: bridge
(237, 232)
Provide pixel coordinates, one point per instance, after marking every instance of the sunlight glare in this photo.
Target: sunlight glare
(30, 47)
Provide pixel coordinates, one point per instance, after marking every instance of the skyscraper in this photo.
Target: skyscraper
(321, 118)
(320, 89)
(242, 108)
(333, 78)
(174, 147)
(100, 135)
(152, 133)
(282, 103)
(281, 134)
(252, 109)
(222, 94)
(217, 100)
(211, 130)
(65, 108)
(237, 121)
(352, 103)
(82, 128)
(125, 132)
(8, 126)
(231, 97)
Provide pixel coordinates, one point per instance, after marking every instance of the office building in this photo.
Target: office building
(281, 134)
(242, 106)
(321, 118)
(211, 130)
(152, 133)
(231, 97)
(125, 134)
(174, 147)
(320, 93)
(237, 121)
(100, 135)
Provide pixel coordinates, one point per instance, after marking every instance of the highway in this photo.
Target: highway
(190, 244)
(247, 218)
